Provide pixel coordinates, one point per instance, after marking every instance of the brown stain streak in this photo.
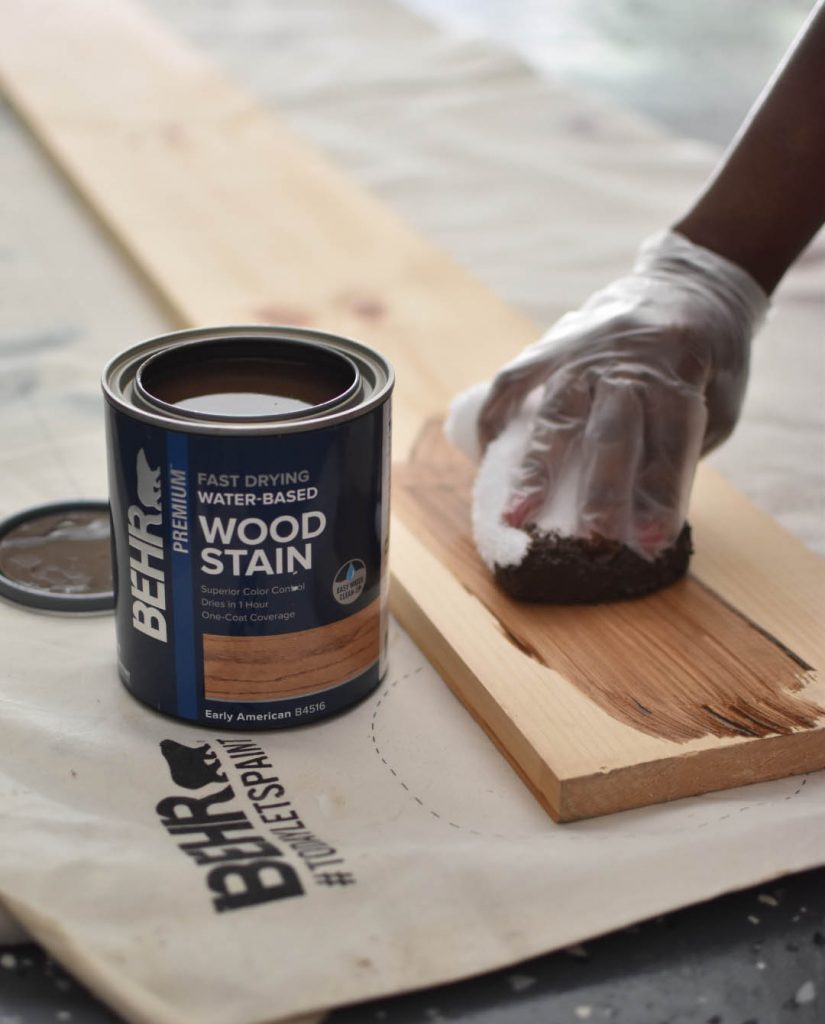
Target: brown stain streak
(174, 134)
(729, 722)
(680, 664)
(363, 305)
(369, 310)
(286, 315)
(760, 723)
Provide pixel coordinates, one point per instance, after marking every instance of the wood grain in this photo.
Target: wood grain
(578, 747)
(679, 664)
(288, 665)
(230, 216)
(233, 219)
(578, 760)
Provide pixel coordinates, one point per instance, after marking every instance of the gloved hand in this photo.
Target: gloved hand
(646, 376)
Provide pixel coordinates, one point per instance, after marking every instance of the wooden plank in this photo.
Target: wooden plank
(230, 216)
(233, 219)
(723, 700)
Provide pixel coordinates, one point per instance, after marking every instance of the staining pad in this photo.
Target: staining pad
(549, 561)
(571, 570)
(57, 557)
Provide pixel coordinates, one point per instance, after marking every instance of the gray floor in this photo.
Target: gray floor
(694, 67)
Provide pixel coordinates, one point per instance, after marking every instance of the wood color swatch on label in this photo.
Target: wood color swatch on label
(291, 664)
(169, 146)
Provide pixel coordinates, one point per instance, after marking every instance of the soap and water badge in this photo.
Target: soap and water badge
(249, 489)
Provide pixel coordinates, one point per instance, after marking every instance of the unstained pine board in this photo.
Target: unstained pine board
(233, 219)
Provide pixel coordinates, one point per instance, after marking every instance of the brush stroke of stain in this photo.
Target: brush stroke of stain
(679, 665)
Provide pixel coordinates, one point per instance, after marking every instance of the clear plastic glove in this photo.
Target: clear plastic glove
(649, 374)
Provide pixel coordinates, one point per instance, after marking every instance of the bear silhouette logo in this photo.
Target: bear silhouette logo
(148, 482)
(192, 767)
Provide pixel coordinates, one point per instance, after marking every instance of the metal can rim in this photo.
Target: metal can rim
(374, 368)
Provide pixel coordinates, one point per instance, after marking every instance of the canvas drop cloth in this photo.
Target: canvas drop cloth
(409, 851)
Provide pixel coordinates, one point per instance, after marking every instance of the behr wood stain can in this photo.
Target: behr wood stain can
(249, 487)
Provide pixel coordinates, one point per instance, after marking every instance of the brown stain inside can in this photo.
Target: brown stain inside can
(242, 402)
(234, 380)
(60, 552)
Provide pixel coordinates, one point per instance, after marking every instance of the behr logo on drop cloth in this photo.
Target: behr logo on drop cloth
(146, 562)
(243, 869)
(349, 581)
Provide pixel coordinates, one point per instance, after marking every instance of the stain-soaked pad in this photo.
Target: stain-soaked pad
(571, 570)
(545, 561)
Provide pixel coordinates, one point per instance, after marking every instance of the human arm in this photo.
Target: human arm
(767, 198)
(651, 371)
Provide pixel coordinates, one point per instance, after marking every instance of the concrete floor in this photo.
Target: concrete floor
(695, 68)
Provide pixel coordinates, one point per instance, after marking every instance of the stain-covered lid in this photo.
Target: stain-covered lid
(57, 557)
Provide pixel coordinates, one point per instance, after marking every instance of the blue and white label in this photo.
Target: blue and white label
(224, 541)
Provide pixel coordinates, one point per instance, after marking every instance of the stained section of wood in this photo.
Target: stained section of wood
(291, 664)
(679, 664)
(605, 707)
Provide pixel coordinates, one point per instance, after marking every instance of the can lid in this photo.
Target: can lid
(57, 557)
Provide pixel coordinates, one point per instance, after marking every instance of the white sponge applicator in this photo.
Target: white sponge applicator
(497, 543)
(548, 561)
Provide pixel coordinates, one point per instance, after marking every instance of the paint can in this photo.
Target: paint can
(249, 489)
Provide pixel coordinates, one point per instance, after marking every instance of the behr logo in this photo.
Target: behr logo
(243, 869)
(147, 575)
(148, 482)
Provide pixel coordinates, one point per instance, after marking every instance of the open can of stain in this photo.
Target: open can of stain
(249, 488)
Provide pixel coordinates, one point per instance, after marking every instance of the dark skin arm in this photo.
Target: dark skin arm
(767, 199)
(651, 371)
